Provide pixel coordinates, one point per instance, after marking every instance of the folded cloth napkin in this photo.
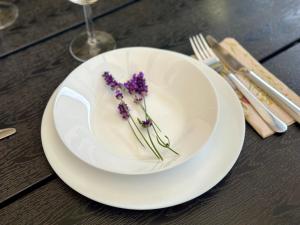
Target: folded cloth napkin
(251, 115)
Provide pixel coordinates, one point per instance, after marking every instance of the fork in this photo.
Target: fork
(206, 55)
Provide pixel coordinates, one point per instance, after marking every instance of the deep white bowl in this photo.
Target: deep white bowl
(181, 100)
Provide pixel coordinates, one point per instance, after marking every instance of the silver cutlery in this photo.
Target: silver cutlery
(235, 66)
(7, 132)
(205, 54)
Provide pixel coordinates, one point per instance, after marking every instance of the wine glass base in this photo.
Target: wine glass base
(8, 14)
(82, 49)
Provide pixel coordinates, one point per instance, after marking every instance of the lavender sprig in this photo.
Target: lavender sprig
(137, 88)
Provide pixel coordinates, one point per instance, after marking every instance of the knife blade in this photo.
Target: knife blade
(234, 65)
(7, 132)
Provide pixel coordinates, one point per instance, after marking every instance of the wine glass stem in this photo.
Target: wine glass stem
(87, 10)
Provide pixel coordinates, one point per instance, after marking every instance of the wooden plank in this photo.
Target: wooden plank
(29, 77)
(261, 27)
(38, 19)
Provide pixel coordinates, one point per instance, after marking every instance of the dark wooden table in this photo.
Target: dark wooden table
(262, 188)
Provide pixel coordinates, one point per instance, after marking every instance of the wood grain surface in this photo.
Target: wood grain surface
(29, 77)
(261, 26)
(39, 19)
(263, 187)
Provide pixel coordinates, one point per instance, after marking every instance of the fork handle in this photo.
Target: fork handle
(289, 106)
(270, 118)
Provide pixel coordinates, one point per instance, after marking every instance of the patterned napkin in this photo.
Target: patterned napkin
(250, 114)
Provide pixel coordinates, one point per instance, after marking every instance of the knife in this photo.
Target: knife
(7, 132)
(275, 123)
(234, 65)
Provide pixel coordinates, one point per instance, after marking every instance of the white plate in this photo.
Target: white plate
(158, 190)
(181, 100)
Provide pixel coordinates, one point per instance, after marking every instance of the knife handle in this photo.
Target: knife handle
(271, 119)
(7, 132)
(291, 108)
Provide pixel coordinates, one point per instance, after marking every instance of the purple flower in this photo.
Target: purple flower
(130, 86)
(146, 123)
(137, 85)
(123, 110)
(110, 81)
(118, 94)
(142, 88)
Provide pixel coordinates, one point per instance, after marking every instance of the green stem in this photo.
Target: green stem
(147, 115)
(135, 134)
(161, 142)
(153, 144)
(160, 137)
(143, 137)
(168, 147)
(155, 124)
(168, 140)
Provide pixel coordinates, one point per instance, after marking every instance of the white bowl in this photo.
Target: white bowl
(181, 100)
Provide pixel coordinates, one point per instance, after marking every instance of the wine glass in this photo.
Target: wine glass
(8, 14)
(92, 42)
